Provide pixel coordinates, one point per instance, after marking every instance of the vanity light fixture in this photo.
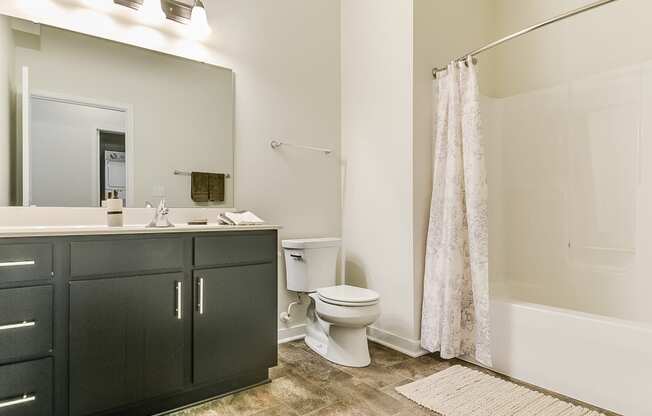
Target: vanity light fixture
(192, 12)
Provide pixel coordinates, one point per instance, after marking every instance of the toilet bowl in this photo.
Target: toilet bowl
(338, 317)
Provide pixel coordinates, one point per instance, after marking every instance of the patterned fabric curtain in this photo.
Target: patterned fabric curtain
(455, 313)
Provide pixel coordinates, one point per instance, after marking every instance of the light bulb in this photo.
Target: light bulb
(199, 20)
(152, 11)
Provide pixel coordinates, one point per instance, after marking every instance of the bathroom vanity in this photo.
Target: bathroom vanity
(127, 320)
(133, 321)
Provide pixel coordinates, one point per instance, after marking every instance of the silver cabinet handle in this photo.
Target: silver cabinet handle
(24, 324)
(200, 303)
(17, 263)
(178, 296)
(25, 398)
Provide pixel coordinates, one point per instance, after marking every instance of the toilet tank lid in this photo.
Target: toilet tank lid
(311, 243)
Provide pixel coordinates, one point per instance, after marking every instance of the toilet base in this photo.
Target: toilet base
(341, 345)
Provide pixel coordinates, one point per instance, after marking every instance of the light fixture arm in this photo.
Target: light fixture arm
(132, 4)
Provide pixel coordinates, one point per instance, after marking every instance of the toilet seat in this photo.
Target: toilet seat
(345, 295)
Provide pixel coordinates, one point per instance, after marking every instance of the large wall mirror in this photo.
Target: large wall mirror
(81, 117)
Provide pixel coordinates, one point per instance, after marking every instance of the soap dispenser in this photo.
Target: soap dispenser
(114, 215)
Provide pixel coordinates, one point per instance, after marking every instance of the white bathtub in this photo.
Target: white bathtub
(603, 361)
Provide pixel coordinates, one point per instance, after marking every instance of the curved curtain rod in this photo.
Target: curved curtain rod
(525, 31)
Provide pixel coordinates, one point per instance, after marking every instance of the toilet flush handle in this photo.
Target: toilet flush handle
(297, 257)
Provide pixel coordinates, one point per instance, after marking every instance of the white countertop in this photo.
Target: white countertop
(47, 231)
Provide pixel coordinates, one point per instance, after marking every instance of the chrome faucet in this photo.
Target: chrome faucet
(161, 219)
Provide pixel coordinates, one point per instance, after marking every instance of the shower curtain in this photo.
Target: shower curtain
(455, 312)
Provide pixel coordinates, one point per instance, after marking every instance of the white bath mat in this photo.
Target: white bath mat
(461, 391)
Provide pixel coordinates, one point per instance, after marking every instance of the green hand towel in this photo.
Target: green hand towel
(199, 187)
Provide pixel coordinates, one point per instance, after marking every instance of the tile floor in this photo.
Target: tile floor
(304, 384)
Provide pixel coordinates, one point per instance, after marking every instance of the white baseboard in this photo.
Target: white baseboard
(387, 339)
(291, 334)
(406, 346)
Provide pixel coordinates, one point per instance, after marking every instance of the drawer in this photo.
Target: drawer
(235, 248)
(25, 322)
(26, 388)
(25, 262)
(125, 255)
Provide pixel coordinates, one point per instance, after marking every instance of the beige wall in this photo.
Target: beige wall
(285, 55)
(7, 97)
(286, 58)
(377, 157)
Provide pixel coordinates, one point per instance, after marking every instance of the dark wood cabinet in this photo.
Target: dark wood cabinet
(21, 262)
(126, 340)
(98, 258)
(234, 321)
(110, 325)
(26, 388)
(25, 322)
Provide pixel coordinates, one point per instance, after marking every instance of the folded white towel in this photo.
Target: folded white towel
(240, 218)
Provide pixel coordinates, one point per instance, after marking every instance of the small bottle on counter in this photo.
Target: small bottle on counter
(114, 215)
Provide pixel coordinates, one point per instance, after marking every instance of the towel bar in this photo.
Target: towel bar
(275, 144)
(186, 173)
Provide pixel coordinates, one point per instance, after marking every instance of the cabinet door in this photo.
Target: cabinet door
(126, 340)
(234, 321)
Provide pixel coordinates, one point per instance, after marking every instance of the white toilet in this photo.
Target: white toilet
(338, 316)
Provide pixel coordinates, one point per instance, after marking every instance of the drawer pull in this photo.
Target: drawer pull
(17, 263)
(178, 296)
(25, 398)
(24, 324)
(200, 305)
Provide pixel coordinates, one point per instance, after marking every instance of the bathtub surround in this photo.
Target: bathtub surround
(569, 169)
(455, 312)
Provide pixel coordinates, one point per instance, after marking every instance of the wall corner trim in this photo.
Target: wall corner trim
(411, 347)
(292, 333)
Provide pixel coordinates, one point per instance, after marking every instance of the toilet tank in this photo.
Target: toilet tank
(310, 263)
